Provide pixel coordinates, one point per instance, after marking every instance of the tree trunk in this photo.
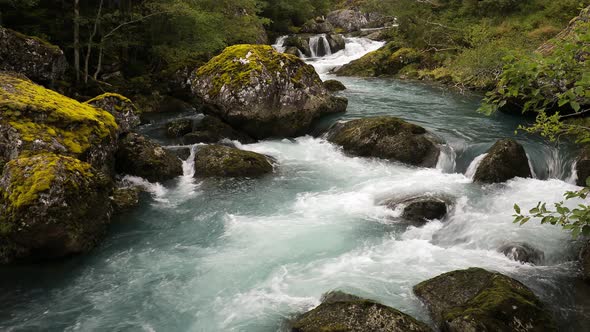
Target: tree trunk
(77, 39)
(91, 40)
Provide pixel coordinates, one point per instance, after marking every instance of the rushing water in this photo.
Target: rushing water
(246, 255)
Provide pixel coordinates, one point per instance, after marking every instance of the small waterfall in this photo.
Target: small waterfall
(279, 44)
(447, 159)
(188, 165)
(533, 173)
(573, 178)
(319, 46)
(470, 173)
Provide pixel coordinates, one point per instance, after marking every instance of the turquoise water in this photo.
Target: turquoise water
(247, 255)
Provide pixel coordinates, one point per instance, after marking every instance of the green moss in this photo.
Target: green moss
(237, 64)
(31, 176)
(37, 39)
(109, 95)
(41, 114)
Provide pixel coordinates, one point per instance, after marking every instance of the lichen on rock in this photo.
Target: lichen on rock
(263, 92)
(51, 206)
(34, 120)
(121, 107)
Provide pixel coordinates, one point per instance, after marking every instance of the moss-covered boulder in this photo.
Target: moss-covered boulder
(125, 198)
(317, 25)
(123, 109)
(347, 20)
(212, 130)
(386, 61)
(31, 56)
(37, 120)
(264, 93)
(349, 313)
(51, 206)
(388, 138)
(479, 300)
(225, 161)
(421, 209)
(334, 85)
(142, 157)
(504, 160)
(179, 127)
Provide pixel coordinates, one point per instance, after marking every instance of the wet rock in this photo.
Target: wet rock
(224, 161)
(299, 42)
(347, 20)
(421, 209)
(123, 109)
(337, 42)
(522, 252)
(141, 157)
(179, 127)
(344, 312)
(31, 56)
(388, 138)
(479, 300)
(37, 120)
(389, 60)
(51, 206)
(125, 198)
(264, 93)
(317, 26)
(585, 262)
(182, 152)
(333, 85)
(292, 50)
(505, 160)
(583, 166)
(212, 130)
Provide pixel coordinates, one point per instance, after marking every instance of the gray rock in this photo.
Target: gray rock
(141, 157)
(505, 160)
(334, 85)
(421, 209)
(317, 26)
(31, 56)
(123, 109)
(179, 127)
(212, 130)
(224, 161)
(522, 252)
(583, 166)
(387, 138)
(337, 42)
(479, 300)
(125, 198)
(344, 312)
(264, 93)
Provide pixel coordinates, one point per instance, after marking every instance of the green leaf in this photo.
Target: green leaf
(517, 208)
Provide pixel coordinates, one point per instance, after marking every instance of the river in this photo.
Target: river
(247, 255)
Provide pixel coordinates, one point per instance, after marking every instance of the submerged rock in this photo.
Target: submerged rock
(179, 127)
(51, 206)
(212, 130)
(522, 252)
(505, 160)
(264, 93)
(344, 312)
(333, 85)
(37, 120)
(421, 209)
(479, 300)
(141, 157)
(39, 60)
(123, 109)
(388, 138)
(224, 161)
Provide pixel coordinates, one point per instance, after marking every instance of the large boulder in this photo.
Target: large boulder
(51, 206)
(300, 43)
(263, 92)
(420, 209)
(479, 300)
(123, 109)
(31, 56)
(225, 161)
(336, 42)
(37, 120)
(504, 160)
(334, 85)
(583, 166)
(388, 138)
(344, 312)
(212, 130)
(142, 157)
(317, 25)
(522, 252)
(347, 20)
